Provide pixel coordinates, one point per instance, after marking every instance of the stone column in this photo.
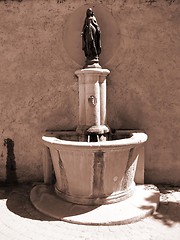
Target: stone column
(92, 100)
(103, 99)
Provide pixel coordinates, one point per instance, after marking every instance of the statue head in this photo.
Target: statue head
(89, 12)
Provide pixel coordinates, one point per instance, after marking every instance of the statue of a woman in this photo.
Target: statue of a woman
(91, 40)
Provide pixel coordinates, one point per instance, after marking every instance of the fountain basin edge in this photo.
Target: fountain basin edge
(94, 173)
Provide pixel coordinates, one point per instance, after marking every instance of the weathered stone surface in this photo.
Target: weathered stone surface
(38, 89)
(94, 173)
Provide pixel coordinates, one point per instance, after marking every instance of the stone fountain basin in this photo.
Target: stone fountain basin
(94, 173)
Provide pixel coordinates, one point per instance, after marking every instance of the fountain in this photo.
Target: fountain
(94, 166)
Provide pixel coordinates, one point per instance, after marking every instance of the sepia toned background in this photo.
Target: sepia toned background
(40, 49)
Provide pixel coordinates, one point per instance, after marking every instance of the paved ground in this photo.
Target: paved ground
(19, 220)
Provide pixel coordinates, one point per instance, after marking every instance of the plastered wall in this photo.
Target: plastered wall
(40, 49)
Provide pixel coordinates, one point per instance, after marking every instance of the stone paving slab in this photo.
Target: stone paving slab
(19, 220)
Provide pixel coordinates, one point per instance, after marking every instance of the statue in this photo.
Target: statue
(91, 40)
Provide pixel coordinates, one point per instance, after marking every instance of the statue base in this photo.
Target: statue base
(92, 63)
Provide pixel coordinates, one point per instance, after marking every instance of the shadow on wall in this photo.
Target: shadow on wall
(11, 177)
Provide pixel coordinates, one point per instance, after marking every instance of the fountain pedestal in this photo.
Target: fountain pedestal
(92, 100)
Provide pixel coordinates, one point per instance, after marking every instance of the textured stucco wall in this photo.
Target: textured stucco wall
(39, 53)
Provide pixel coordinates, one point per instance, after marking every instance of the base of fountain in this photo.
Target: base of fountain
(99, 200)
(141, 204)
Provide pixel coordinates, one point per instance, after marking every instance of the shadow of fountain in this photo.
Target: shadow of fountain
(168, 214)
(169, 208)
(168, 211)
(47, 201)
(19, 203)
